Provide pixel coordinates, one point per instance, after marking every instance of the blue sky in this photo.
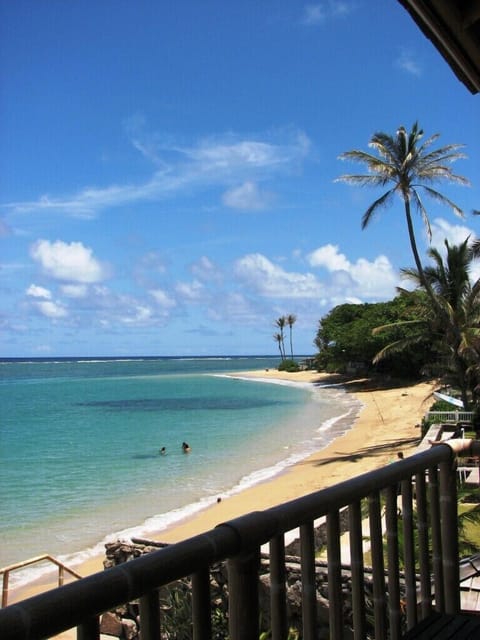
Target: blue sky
(167, 176)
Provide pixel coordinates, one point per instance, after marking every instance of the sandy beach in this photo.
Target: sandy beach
(388, 423)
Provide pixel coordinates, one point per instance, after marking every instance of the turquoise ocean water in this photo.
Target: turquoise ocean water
(80, 441)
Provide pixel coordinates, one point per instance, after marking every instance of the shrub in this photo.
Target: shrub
(288, 365)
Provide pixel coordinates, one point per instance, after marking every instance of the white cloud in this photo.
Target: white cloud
(72, 262)
(139, 315)
(210, 162)
(320, 12)
(375, 279)
(38, 292)
(162, 298)
(454, 233)
(246, 152)
(235, 307)
(205, 270)
(270, 280)
(340, 7)
(247, 197)
(153, 263)
(74, 290)
(308, 294)
(313, 14)
(51, 309)
(362, 278)
(407, 62)
(328, 257)
(109, 309)
(190, 291)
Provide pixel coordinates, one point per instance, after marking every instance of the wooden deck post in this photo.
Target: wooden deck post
(243, 596)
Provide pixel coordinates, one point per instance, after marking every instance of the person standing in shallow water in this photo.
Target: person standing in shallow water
(163, 451)
(185, 447)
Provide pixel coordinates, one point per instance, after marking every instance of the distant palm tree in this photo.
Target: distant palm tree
(291, 319)
(281, 324)
(407, 165)
(278, 338)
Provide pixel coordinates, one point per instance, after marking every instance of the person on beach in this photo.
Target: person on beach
(163, 451)
(185, 447)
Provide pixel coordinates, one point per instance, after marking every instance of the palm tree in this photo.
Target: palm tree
(281, 323)
(460, 301)
(455, 330)
(279, 339)
(291, 319)
(406, 165)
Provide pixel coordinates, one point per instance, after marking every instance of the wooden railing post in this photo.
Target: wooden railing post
(335, 608)
(6, 576)
(309, 587)
(243, 606)
(357, 567)
(409, 553)
(436, 537)
(379, 591)
(150, 616)
(393, 578)
(89, 630)
(423, 546)
(201, 605)
(278, 589)
(449, 525)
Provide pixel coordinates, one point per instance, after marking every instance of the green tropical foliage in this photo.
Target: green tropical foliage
(465, 517)
(452, 327)
(346, 337)
(288, 365)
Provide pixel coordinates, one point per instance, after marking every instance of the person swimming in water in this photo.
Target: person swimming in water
(163, 451)
(185, 447)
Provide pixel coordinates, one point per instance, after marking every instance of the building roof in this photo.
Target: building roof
(453, 26)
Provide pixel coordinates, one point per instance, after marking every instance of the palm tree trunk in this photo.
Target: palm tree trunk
(416, 257)
(462, 379)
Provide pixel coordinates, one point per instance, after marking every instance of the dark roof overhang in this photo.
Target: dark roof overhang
(453, 26)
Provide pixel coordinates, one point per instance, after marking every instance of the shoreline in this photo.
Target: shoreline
(379, 431)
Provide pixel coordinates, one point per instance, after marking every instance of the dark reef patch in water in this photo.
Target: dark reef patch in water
(179, 404)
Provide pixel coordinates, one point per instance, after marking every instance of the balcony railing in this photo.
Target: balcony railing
(427, 543)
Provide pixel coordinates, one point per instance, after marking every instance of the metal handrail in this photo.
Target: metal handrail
(238, 541)
(6, 571)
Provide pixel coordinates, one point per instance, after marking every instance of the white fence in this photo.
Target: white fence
(450, 416)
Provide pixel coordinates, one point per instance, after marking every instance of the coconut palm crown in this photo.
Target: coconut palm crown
(408, 166)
